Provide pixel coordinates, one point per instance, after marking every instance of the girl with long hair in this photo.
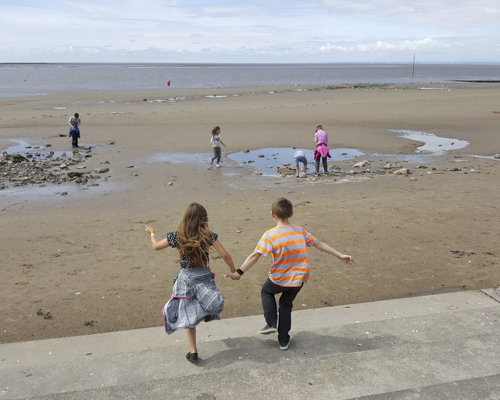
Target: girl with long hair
(195, 296)
(216, 142)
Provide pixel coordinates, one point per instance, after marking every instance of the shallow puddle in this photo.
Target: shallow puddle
(266, 160)
(433, 144)
(25, 149)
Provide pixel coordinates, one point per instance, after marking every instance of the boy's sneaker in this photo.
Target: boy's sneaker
(217, 165)
(315, 173)
(285, 347)
(268, 329)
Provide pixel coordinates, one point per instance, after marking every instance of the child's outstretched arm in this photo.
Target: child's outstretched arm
(225, 255)
(327, 249)
(249, 262)
(157, 244)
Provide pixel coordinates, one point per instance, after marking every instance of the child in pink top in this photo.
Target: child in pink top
(320, 136)
(322, 151)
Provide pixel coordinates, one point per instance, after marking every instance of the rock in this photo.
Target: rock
(391, 165)
(64, 193)
(402, 171)
(48, 145)
(343, 154)
(250, 161)
(101, 170)
(261, 156)
(87, 148)
(75, 174)
(131, 166)
(421, 167)
(114, 142)
(63, 166)
(496, 156)
(81, 167)
(413, 179)
(105, 162)
(15, 158)
(361, 164)
(269, 166)
(135, 174)
(245, 151)
(302, 174)
(170, 184)
(283, 170)
(258, 173)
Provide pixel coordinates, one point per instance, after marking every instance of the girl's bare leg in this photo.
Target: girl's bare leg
(191, 334)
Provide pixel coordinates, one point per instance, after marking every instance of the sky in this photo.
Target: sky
(249, 31)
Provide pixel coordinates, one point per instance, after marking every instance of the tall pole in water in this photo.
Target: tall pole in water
(413, 70)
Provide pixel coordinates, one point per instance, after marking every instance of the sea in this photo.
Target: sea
(40, 79)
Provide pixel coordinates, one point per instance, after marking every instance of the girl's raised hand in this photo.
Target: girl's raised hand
(149, 230)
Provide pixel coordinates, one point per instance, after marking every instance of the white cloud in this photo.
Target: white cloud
(258, 30)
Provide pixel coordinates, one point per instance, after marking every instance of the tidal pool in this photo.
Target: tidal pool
(24, 149)
(433, 144)
(267, 159)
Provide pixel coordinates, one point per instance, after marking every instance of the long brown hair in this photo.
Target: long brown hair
(194, 234)
(215, 131)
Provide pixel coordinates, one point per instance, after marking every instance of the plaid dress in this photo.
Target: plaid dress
(194, 296)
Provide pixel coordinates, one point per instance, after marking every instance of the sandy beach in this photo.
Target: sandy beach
(82, 263)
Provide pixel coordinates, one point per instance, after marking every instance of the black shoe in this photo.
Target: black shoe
(285, 346)
(192, 357)
(209, 318)
(268, 329)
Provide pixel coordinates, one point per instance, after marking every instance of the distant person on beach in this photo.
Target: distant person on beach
(288, 244)
(216, 142)
(195, 296)
(300, 157)
(74, 131)
(322, 151)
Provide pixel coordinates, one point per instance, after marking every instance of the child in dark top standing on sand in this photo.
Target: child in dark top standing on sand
(195, 296)
(216, 142)
(74, 131)
(288, 244)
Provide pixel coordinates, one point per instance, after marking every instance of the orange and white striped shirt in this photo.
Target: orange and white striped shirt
(288, 244)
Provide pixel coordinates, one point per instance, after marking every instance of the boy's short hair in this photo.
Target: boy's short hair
(282, 208)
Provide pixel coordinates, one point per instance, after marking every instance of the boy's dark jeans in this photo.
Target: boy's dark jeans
(288, 294)
(74, 138)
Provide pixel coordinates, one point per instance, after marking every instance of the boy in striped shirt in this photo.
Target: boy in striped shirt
(288, 244)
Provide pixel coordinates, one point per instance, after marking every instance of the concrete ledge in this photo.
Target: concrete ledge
(370, 349)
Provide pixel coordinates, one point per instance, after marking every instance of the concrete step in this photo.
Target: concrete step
(398, 349)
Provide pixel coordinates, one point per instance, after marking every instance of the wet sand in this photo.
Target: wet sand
(85, 258)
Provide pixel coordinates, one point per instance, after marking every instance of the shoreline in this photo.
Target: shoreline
(85, 257)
